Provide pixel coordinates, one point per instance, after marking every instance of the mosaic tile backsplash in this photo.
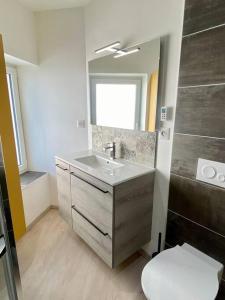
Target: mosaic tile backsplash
(136, 146)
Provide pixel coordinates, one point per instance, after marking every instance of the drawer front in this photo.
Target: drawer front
(92, 180)
(64, 195)
(94, 203)
(62, 165)
(100, 243)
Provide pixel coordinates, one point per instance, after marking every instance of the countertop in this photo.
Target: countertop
(114, 177)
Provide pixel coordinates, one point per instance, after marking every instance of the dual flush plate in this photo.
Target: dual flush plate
(211, 172)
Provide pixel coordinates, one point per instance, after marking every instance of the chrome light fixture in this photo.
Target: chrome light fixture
(110, 48)
(119, 52)
(125, 52)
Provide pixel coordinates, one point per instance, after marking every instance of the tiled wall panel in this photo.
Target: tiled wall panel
(202, 14)
(136, 146)
(200, 107)
(202, 58)
(188, 148)
(197, 201)
(197, 210)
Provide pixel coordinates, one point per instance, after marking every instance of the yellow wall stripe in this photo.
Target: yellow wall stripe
(9, 153)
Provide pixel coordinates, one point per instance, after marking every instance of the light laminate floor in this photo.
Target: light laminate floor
(56, 264)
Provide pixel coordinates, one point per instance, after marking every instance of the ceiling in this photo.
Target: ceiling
(40, 5)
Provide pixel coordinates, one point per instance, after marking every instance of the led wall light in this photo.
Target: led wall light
(121, 53)
(110, 48)
(118, 52)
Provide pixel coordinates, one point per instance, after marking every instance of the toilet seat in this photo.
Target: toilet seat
(181, 273)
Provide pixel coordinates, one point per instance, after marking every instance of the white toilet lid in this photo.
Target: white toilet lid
(176, 274)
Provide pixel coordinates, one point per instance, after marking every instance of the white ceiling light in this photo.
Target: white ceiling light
(121, 53)
(110, 48)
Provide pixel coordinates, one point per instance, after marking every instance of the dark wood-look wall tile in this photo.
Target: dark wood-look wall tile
(187, 149)
(201, 111)
(221, 293)
(199, 202)
(200, 15)
(181, 230)
(202, 58)
(197, 210)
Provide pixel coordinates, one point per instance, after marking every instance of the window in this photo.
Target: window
(16, 118)
(116, 101)
(112, 102)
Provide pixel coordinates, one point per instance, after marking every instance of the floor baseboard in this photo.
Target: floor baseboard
(38, 218)
(144, 254)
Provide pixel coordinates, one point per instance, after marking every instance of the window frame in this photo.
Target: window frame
(17, 117)
(101, 78)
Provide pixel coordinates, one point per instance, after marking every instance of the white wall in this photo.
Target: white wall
(18, 30)
(133, 22)
(54, 93)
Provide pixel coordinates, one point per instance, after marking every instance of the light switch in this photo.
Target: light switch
(212, 172)
(80, 123)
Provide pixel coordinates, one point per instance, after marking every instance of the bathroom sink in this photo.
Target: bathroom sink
(100, 166)
(98, 162)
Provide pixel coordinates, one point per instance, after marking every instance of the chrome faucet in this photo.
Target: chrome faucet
(112, 148)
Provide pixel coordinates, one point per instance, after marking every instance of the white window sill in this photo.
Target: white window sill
(27, 178)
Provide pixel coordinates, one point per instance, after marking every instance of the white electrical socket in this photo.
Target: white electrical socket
(164, 133)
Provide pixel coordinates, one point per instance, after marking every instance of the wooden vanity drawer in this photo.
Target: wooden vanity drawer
(63, 188)
(62, 165)
(99, 242)
(92, 180)
(94, 202)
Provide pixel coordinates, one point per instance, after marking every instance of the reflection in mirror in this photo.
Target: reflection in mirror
(123, 90)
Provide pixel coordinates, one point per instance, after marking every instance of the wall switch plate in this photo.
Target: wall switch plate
(164, 112)
(212, 172)
(80, 123)
(164, 133)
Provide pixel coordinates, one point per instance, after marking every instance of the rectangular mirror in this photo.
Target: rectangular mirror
(123, 90)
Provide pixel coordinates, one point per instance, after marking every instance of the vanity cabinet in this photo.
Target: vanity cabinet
(63, 186)
(115, 221)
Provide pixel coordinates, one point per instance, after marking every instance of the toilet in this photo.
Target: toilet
(181, 273)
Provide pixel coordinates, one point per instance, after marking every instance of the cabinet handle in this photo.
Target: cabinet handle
(103, 191)
(103, 233)
(64, 169)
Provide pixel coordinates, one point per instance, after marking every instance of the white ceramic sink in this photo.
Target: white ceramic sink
(98, 162)
(112, 172)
